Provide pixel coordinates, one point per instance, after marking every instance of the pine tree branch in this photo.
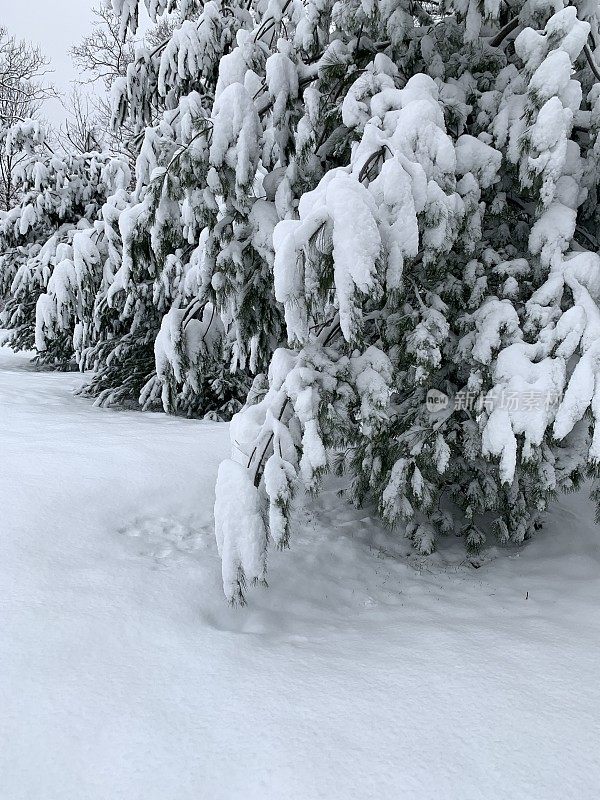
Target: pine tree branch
(510, 26)
(259, 472)
(590, 58)
(328, 331)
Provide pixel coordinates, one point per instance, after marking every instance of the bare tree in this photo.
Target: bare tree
(102, 55)
(23, 89)
(82, 130)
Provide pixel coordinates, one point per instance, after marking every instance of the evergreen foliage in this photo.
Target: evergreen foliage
(352, 205)
(52, 243)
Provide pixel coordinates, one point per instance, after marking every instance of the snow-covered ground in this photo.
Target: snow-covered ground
(362, 672)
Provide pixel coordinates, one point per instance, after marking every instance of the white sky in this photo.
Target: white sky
(54, 25)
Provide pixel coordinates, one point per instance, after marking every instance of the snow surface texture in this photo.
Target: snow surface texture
(364, 671)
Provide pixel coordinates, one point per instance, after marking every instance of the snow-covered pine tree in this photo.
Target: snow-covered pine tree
(243, 116)
(156, 300)
(430, 176)
(51, 243)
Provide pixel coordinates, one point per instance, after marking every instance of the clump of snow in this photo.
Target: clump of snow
(240, 536)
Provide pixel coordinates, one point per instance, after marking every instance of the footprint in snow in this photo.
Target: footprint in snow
(163, 538)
